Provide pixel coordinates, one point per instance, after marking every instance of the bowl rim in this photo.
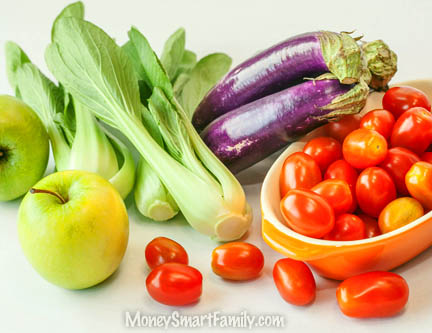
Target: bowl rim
(274, 171)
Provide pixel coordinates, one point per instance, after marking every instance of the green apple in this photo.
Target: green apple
(73, 228)
(24, 148)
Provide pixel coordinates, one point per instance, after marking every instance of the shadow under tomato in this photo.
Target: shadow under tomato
(374, 320)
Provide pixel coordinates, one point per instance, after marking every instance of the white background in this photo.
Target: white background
(240, 28)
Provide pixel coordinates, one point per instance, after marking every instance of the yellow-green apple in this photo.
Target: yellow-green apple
(24, 148)
(73, 228)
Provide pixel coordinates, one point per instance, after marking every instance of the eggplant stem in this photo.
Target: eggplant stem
(348, 32)
(58, 196)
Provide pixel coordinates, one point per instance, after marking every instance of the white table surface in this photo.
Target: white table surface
(30, 304)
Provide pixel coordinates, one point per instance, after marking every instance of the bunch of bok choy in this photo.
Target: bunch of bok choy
(77, 139)
(191, 80)
(101, 76)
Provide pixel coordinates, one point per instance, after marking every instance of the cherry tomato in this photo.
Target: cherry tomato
(294, 281)
(341, 128)
(347, 227)
(373, 294)
(307, 213)
(426, 157)
(324, 150)
(419, 183)
(337, 193)
(398, 213)
(174, 284)
(162, 250)
(364, 148)
(237, 261)
(399, 99)
(371, 226)
(381, 121)
(397, 163)
(299, 171)
(342, 170)
(413, 130)
(374, 190)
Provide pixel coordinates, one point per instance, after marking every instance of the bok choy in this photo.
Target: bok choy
(191, 80)
(77, 140)
(99, 74)
(152, 198)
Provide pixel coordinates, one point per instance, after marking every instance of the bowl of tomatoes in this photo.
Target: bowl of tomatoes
(355, 195)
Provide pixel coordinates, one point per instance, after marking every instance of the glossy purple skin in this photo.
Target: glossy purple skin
(272, 70)
(247, 135)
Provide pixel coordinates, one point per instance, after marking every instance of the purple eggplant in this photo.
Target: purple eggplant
(279, 67)
(248, 134)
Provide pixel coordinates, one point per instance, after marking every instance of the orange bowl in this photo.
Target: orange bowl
(341, 259)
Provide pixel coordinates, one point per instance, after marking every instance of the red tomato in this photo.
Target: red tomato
(413, 130)
(381, 121)
(342, 170)
(337, 193)
(307, 213)
(373, 294)
(174, 284)
(397, 163)
(324, 150)
(162, 250)
(419, 183)
(237, 261)
(426, 157)
(341, 128)
(347, 227)
(374, 190)
(371, 226)
(294, 281)
(399, 99)
(364, 148)
(299, 171)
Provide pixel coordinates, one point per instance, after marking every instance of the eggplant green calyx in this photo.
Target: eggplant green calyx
(352, 102)
(342, 56)
(381, 61)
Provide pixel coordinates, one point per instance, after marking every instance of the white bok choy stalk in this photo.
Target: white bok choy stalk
(99, 74)
(152, 198)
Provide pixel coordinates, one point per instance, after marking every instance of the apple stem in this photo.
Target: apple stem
(1, 153)
(35, 191)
